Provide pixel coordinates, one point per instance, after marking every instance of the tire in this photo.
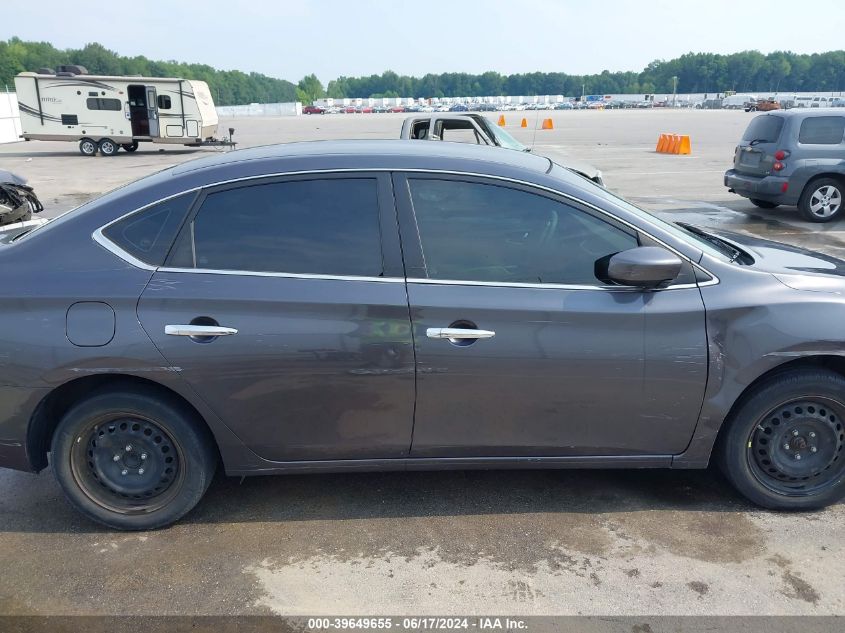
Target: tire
(784, 447)
(133, 458)
(87, 147)
(764, 204)
(822, 200)
(130, 147)
(108, 147)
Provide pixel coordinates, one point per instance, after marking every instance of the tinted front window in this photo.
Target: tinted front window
(822, 130)
(328, 227)
(148, 234)
(479, 232)
(764, 129)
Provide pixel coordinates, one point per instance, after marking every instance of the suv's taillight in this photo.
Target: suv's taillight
(778, 166)
(781, 154)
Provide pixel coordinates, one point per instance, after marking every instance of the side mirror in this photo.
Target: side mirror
(645, 266)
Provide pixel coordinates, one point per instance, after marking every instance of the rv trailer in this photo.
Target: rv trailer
(105, 113)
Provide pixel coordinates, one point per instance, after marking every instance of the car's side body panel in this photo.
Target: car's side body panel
(754, 322)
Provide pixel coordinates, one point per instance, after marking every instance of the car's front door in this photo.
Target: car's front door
(304, 276)
(555, 362)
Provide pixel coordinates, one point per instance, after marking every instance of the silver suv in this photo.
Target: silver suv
(795, 157)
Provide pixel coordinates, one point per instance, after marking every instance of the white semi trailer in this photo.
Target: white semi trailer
(104, 113)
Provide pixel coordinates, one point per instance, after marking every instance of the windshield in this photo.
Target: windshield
(506, 140)
(764, 129)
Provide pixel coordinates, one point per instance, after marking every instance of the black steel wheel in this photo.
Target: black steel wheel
(784, 446)
(127, 464)
(130, 147)
(797, 447)
(133, 458)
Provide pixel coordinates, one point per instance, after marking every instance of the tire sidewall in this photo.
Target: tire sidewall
(734, 459)
(199, 460)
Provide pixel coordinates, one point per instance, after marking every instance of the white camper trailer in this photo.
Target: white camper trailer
(105, 113)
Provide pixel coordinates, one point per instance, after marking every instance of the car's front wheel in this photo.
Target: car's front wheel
(132, 459)
(784, 447)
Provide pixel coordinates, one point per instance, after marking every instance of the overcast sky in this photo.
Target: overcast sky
(291, 38)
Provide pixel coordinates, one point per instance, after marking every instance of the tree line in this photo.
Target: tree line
(748, 71)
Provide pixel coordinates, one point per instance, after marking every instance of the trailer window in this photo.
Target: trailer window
(164, 102)
(104, 104)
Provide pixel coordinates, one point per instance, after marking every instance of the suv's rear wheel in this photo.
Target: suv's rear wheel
(821, 200)
(763, 204)
(784, 448)
(132, 460)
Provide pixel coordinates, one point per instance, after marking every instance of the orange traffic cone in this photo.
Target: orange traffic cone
(501, 120)
(685, 146)
(524, 123)
(548, 125)
(661, 144)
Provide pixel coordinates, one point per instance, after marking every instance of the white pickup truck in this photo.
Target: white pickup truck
(469, 127)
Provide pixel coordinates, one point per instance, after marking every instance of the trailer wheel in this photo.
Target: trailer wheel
(130, 147)
(87, 147)
(108, 147)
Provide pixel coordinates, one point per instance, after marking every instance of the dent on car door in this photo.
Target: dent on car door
(315, 360)
(547, 359)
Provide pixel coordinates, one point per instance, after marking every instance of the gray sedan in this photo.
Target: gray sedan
(385, 305)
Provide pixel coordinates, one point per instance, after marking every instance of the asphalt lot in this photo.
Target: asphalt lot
(541, 542)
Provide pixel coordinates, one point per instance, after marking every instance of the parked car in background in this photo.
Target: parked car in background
(479, 130)
(763, 105)
(312, 109)
(793, 157)
(337, 318)
(563, 105)
(458, 107)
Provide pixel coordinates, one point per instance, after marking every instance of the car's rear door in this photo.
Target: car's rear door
(304, 276)
(521, 349)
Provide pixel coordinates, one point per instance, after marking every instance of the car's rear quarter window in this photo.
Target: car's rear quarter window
(149, 234)
(822, 130)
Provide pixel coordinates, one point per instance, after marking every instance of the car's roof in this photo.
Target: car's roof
(375, 154)
(807, 112)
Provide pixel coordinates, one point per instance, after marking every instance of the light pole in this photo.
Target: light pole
(674, 89)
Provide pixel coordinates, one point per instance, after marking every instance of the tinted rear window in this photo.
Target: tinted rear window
(319, 226)
(822, 130)
(764, 129)
(148, 234)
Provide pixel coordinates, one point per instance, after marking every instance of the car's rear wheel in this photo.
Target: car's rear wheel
(132, 459)
(821, 200)
(763, 204)
(784, 448)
